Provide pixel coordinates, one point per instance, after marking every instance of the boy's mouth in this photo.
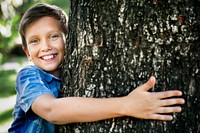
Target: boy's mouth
(48, 57)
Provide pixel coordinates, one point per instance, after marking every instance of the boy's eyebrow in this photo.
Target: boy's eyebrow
(31, 37)
(53, 31)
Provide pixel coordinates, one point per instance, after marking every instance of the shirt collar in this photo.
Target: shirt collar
(47, 76)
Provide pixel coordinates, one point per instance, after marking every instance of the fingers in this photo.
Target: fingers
(164, 113)
(167, 94)
(149, 84)
(173, 101)
(165, 110)
(161, 117)
(155, 105)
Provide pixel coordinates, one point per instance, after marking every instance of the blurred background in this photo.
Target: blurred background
(12, 58)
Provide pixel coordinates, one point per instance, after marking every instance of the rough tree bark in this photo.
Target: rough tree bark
(115, 45)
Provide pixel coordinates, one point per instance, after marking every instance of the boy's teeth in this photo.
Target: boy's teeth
(48, 57)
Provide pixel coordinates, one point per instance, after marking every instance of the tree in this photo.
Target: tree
(115, 45)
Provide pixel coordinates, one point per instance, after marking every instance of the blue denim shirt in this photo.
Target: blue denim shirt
(31, 83)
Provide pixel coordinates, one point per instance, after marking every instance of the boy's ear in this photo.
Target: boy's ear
(27, 53)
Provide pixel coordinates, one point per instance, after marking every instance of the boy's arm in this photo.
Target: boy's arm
(139, 103)
(76, 109)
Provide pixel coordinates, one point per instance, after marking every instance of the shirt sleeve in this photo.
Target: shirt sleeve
(29, 85)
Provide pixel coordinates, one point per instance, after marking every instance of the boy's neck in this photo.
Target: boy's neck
(56, 72)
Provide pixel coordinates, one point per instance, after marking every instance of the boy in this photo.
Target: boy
(43, 29)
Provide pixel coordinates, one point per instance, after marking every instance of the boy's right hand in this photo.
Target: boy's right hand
(141, 103)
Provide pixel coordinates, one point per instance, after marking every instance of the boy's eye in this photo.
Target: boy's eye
(53, 37)
(34, 41)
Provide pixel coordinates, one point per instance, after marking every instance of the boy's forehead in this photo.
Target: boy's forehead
(46, 19)
(46, 22)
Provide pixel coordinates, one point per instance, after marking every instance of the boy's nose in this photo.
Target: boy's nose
(46, 46)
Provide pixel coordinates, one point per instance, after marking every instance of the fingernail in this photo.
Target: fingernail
(182, 101)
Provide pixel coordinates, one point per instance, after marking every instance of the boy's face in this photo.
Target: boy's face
(45, 44)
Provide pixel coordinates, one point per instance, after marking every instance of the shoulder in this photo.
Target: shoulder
(27, 71)
(33, 72)
(29, 68)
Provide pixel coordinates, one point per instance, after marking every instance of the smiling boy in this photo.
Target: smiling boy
(43, 30)
(45, 45)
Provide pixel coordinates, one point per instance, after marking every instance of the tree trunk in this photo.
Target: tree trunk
(116, 45)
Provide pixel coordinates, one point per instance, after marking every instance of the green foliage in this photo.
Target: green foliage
(8, 32)
(6, 116)
(7, 82)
